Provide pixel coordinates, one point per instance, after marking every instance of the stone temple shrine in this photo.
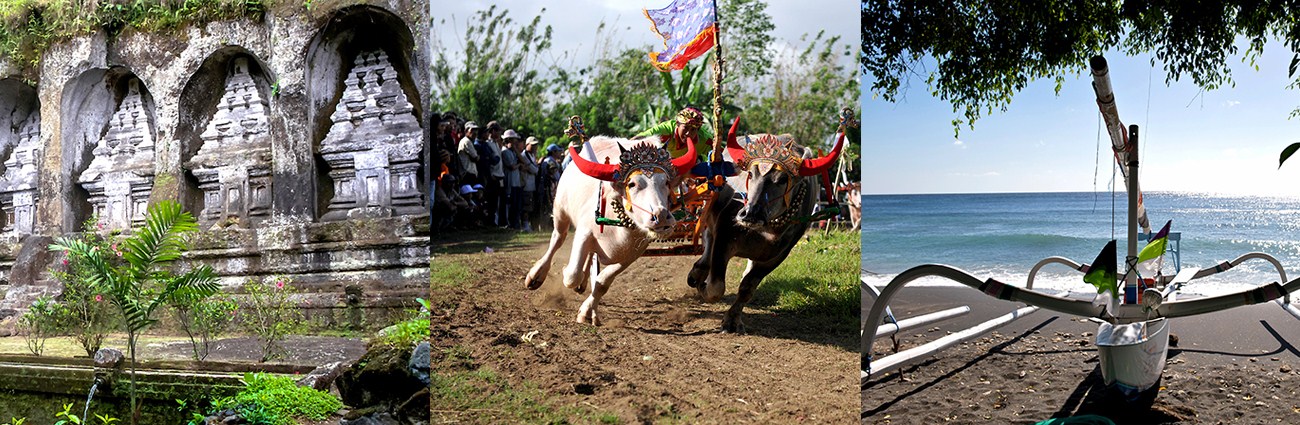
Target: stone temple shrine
(298, 140)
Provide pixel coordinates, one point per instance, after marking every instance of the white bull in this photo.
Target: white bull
(633, 185)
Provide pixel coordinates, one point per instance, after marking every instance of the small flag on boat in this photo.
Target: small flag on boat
(1152, 256)
(1156, 246)
(1102, 271)
(688, 30)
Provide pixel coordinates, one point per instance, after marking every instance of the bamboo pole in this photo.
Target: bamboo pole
(716, 156)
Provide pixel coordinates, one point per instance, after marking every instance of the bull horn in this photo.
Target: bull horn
(600, 171)
(737, 152)
(816, 166)
(684, 163)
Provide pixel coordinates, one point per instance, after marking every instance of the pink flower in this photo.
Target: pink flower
(65, 261)
(279, 284)
(99, 298)
(99, 225)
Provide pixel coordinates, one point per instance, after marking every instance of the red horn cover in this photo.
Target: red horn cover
(600, 171)
(684, 163)
(815, 166)
(737, 152)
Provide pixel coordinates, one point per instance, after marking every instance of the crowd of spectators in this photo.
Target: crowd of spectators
(489, 176)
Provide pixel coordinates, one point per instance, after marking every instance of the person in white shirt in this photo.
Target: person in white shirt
(528, 172)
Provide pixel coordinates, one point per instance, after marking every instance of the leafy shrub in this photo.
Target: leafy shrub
(203, 320)
(40, 322)
(270, 314)
(87, 317)
(71, 419)
(410, 331)
(276, 400)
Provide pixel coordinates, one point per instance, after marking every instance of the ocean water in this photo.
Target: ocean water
(1003, 235)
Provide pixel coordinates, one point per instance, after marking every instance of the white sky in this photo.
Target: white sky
(574, 22)
(1221, 141)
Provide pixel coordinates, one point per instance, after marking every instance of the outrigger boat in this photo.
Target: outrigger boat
(1132, 339)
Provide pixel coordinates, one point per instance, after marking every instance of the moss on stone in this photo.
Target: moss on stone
(29, 27)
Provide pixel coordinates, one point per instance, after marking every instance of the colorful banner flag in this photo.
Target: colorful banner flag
(1101, 273)
(688, 30)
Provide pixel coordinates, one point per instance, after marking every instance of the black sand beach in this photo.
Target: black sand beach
(1234, 366)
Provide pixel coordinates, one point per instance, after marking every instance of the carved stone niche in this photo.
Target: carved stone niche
(18, 193)
(120, 177)
(373, 148)
(233, 166)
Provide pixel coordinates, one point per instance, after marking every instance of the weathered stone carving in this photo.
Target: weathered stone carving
(234, 164)
(120, 178)
(18, 193)
(373, 148)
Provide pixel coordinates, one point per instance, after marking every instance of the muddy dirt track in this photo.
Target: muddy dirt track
(657, 357)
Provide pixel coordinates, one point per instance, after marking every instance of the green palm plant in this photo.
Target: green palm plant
(138, 277)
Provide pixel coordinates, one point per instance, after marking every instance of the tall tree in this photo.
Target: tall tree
(746, 38)
(500, 74)
(804, 94)
(987, 50)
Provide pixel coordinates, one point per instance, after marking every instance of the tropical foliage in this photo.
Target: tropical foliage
(502, 74)
(87, 315)
(137, 272)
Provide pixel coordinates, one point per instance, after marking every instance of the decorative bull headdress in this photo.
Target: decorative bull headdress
(644, 157)
(770, 149)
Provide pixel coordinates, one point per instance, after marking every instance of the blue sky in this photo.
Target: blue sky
(1223, 141)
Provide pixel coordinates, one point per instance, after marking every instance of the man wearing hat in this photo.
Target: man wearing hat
(511, 162)
(494, 176)
(689, 123)
(548, 176)
(468, 154)
(528, 172)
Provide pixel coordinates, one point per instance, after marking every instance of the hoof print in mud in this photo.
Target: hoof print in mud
(584, 389)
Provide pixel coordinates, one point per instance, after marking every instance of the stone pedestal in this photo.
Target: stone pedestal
(18, 193)
(373, 148)
(120, 178)
(234, 164)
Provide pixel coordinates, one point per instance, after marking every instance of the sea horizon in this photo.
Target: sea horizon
(1002, 235)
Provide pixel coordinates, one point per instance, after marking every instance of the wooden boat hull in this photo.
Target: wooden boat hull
(1132, 355)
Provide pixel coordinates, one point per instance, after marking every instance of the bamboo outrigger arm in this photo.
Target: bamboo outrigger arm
(1077, 307)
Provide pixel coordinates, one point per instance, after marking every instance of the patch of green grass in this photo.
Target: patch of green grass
(820, 276)
(277, 400)
(444, 273)
(477, 241)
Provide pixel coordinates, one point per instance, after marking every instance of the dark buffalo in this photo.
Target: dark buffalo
(779, 180)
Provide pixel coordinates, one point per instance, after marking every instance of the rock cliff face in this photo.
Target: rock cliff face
(240, 121)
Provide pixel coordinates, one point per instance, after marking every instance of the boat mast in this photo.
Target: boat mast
(1130, 260)
(1124, 144)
